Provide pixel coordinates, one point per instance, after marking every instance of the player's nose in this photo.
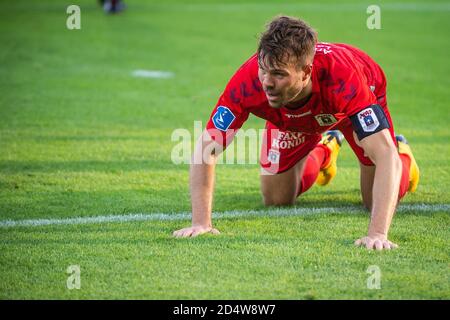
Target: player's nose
(268, 83)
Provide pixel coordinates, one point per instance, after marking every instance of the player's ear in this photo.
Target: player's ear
(307, 71)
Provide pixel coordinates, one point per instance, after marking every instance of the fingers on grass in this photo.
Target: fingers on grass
(177, 233)
(393, 245)
(378, 245)
(214, 231)
(197, 232)
(369, 243)
(375, 244)
(202, 231)
(186, 232)
(386, 245)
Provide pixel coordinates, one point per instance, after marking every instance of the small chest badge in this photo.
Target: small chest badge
(325, 120)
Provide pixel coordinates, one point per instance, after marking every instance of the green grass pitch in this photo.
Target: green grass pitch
(81, 137)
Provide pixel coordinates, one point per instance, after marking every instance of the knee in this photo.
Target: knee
(270, 200)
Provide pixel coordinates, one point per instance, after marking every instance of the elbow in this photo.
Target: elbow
(398, 163)
(396, 166)
(206, 152)
(394, 159)
(387, 154)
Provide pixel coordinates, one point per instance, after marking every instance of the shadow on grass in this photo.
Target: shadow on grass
(30, 167)
(147, 199)
(103, 138)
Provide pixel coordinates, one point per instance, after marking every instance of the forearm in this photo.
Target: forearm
(202, 188)
(385, 194)
(201, 179)
(201, 183)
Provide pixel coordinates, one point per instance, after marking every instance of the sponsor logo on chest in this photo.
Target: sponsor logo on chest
(325, 120)
(288, 140)
(293, 116)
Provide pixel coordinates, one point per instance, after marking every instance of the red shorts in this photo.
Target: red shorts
(281, 150)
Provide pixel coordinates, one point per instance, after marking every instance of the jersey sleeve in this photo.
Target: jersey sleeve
(230, 112)
(350, 91)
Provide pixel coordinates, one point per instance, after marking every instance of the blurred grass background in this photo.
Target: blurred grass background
(79, 136)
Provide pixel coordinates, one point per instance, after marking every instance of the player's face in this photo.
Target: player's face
(282, 84)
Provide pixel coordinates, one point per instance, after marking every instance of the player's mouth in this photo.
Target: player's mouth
(271, 96)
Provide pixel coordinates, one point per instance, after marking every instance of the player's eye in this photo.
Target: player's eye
(280, 75)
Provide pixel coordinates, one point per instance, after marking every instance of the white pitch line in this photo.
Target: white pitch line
(220, 215)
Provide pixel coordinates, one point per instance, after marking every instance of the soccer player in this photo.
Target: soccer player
(304, 88)
(112, 6)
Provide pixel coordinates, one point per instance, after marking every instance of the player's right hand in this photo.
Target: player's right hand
(194, 231)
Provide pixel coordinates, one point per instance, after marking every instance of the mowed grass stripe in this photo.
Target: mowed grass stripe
(313, 7)
(220, 215)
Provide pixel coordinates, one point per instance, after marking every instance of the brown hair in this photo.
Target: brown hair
(286, 38)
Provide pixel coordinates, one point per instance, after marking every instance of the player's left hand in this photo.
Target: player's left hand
(376, 242)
